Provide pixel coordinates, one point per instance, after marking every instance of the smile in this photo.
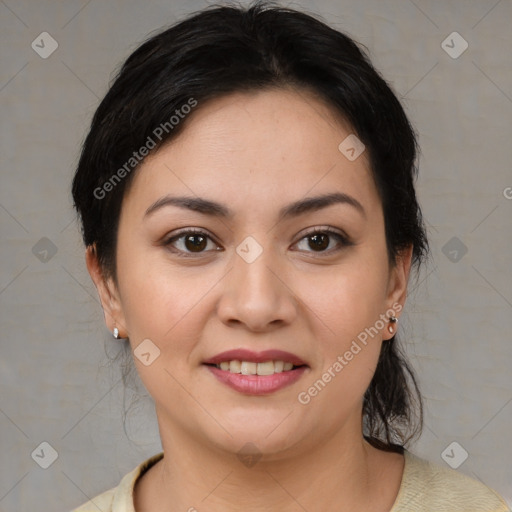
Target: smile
(255, 373)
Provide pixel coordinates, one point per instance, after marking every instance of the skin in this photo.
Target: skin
(256, 153)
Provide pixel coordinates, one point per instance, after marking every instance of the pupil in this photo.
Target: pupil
(195, 245)
(322, 238)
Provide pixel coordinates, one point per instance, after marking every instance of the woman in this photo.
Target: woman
(247, 198)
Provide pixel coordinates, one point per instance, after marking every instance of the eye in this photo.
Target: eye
(189, 242)
(320, 240)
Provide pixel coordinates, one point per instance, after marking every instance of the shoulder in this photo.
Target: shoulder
(101, 503)
(427, 486)
(120, 498)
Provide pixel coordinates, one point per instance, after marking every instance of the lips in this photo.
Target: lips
(256, 373)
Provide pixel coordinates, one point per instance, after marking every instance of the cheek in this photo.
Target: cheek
(346, 299)
(347, 308)
(347, 303)
(161, 301)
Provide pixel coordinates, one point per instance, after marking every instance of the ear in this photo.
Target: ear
(397, 284)
(108, 293)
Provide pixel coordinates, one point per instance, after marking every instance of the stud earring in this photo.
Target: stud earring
(393, 320)
(115, 333)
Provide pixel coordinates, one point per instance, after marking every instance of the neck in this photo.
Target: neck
(344, 470)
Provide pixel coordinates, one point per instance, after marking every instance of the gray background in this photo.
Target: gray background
(57, 385)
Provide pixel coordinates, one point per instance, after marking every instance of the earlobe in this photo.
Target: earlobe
(107, 291)
(397, 291)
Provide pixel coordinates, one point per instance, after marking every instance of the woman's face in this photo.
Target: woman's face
(253, 280)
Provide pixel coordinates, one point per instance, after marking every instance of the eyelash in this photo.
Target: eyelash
(343, 240)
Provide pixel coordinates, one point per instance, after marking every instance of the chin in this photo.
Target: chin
(268, 432)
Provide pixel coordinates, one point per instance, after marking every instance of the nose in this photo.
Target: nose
(258, 294)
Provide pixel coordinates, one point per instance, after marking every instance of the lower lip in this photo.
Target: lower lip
(257, 384)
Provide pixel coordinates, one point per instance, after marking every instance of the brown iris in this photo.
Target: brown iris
(192, 245)
(320, 241)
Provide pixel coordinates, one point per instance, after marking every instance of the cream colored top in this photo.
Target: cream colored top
(425, 487)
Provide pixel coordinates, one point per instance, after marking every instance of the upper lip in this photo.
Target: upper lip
(255, 357)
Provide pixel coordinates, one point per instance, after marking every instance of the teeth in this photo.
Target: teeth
(235, 366)
(265, 368)
(251, 368)
(278, 366)
(248, 368)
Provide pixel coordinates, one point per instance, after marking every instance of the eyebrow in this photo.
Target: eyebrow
(214, 209)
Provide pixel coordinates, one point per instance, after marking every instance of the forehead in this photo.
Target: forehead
(256, 149)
